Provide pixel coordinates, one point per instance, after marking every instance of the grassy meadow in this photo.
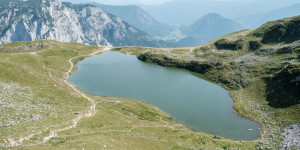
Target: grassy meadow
(36, 101)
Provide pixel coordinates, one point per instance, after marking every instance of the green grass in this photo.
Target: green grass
(244, 71)
(42, 102)
(128, 125)
(35, 99)
(49, 96)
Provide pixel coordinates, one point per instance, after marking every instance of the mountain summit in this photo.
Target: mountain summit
(49, 19)
(207, 28)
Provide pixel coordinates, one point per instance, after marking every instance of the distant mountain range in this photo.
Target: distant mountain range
(98, 24)
(254, 21)
(208, 27)
(188, 11)
(49, 19)
(139, 18)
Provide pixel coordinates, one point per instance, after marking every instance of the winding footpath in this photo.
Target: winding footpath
(91, 112)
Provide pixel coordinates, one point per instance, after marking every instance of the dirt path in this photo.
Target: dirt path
(91, 112)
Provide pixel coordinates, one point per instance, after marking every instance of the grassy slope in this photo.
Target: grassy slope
(244, 70)
(35, 100)
(49, 103)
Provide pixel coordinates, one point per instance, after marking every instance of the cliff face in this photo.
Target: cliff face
(49, 19)
(283, 89)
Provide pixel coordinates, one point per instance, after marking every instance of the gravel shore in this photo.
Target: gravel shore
(291, 137)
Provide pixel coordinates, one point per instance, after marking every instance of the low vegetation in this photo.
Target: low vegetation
(261, 74)
(38, 108)
(262, 78)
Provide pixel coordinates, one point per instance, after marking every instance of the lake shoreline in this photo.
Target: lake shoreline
(103, 83)
(249, 99)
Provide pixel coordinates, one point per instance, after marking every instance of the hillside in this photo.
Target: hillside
(207, 28)
(260, 68)
(49, 19)
(139, 18)
(273, 48)
(40, 110)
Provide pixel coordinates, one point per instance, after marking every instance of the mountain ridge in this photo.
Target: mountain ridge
(190, 10)
(262, 77)
(50, 19)
(137, 17)
(207, 28)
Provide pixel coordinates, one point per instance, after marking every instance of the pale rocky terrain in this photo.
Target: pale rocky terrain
(53, 20)
(291, 137)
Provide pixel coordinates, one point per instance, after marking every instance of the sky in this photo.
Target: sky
(149, 2)
(121, 2)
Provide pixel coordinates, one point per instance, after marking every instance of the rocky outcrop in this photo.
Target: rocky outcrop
(284, 30)
(229, 45)
(204, 67)
(254, 45)
(160, 59)
(291, 137)
(28, 47)
(283, 89)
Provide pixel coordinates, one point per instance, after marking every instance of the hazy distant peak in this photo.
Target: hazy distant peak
(216, 18)
(137, 17)
(207, 28)
(212, 15)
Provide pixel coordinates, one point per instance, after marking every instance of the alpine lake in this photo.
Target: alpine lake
(186, 96)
